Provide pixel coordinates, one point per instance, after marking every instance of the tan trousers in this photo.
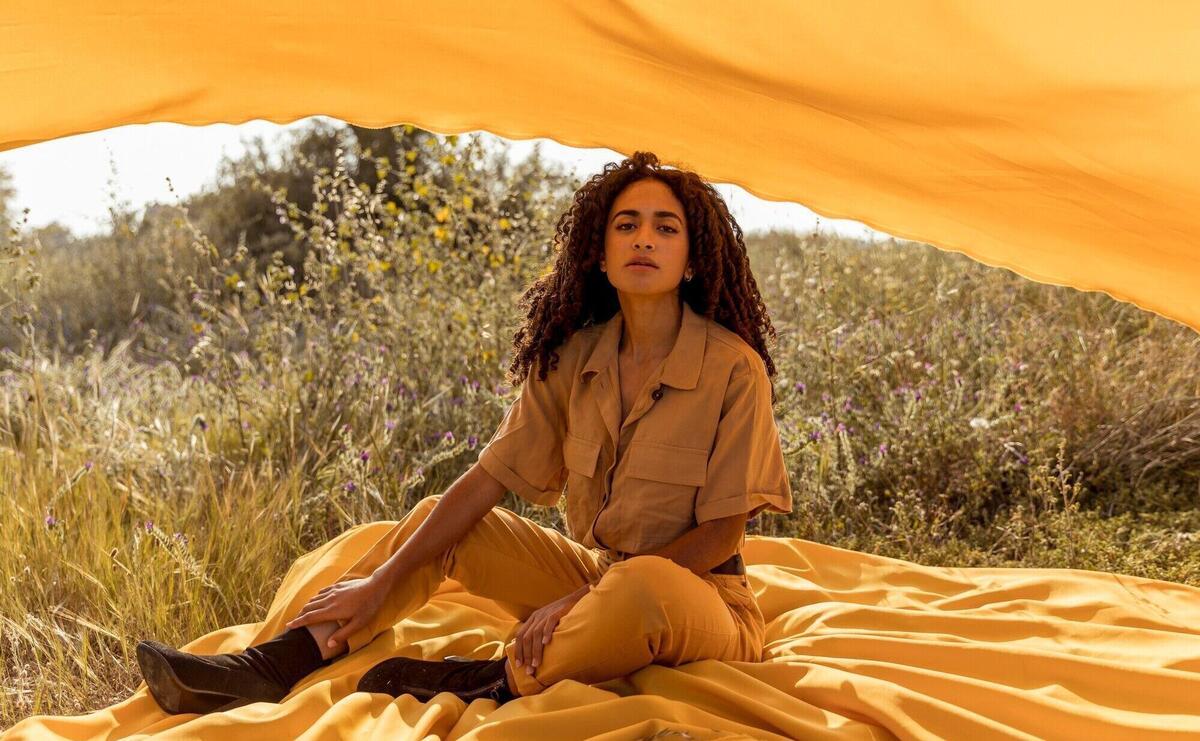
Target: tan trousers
(640, 610)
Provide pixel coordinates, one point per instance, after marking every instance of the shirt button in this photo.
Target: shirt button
(657, 393)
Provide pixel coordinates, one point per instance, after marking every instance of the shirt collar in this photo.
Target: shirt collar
(682, 367)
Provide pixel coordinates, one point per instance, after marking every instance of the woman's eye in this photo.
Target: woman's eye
(673, 229)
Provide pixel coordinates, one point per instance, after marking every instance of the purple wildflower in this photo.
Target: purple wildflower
(883, 448)
(181, 538)
(149, 525)
(448, 436)
(51, 520)
(1017, 407)
(814, 435)
(472, 441)
(390, 424)
(840, 427)
(801, 387)
(350, 487)
(363, 456)
(87, 466)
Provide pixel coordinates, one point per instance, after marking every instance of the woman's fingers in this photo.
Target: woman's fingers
(311, 612)
(308, 618)
(543, 637)
(531, 639)
(313, 604)
(344, 632)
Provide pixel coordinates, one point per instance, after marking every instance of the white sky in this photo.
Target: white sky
(73, 180)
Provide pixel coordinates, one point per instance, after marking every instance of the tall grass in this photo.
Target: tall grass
(160, 483)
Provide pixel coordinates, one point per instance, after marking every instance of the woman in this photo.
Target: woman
(647, 394)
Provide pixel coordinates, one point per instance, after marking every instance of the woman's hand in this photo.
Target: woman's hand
(355, 601)
(537, 630)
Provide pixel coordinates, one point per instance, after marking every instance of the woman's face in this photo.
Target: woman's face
(646, 222)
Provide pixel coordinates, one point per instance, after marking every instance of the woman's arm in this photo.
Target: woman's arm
(463, 504)
(706, 545)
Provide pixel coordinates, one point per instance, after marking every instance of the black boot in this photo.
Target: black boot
(192, 683)
(466, 678)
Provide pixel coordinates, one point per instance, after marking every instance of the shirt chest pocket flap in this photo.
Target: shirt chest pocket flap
(580, 455)
(670, 464)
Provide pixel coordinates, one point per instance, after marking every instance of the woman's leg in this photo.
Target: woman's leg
(646, 609)
(504, 557)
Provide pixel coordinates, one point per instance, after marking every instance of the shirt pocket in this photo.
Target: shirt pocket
(659, 485)
(583, 484)
(580, 456)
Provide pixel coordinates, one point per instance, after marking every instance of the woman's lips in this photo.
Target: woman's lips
(642, 265)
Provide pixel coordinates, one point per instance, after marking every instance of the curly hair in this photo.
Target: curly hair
(577, 294)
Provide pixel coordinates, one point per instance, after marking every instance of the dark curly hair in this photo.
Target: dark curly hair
(577, 294)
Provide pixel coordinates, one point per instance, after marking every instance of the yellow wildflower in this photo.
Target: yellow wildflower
(468, 202)
(442, 214)
(434, 265)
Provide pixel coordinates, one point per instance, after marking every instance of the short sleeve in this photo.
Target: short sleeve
(746, 470)
(525, 453)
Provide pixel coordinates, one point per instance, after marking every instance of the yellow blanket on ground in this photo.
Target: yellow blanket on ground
(858, 646)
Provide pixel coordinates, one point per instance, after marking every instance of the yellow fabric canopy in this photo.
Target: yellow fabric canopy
(858, 646)
(1056, 140)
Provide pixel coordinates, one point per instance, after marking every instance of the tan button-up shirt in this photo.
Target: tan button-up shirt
(699, 443)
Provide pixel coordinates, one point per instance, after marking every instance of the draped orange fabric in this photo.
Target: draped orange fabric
(1055, 139)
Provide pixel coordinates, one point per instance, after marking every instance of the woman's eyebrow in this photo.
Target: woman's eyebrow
(631, 212)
